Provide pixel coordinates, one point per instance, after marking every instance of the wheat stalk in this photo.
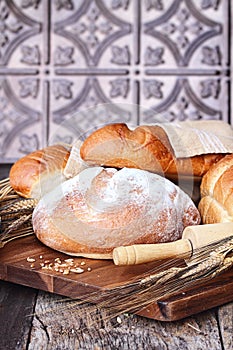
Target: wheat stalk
(17, 223)
(18, 206)
(6, 191)
(23, 232)
(5, 181)
(15, 214)
(15, 228)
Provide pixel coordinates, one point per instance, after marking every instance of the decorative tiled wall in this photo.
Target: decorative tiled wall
(139, 61)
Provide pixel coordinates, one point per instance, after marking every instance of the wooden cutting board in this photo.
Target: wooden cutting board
(99, 275)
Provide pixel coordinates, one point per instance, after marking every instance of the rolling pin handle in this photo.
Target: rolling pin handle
(193, 237)
(125, 255)
(144, 253)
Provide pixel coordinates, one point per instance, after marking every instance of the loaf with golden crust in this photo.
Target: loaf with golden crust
(216, 204)
(39, 172)
(146, 147)
(100, 209)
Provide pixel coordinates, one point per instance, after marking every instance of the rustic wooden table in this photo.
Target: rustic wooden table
(25, 326)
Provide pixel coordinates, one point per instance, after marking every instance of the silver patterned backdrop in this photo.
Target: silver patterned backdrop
(136, 59)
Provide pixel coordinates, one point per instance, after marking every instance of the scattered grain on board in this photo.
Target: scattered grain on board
(64, 267)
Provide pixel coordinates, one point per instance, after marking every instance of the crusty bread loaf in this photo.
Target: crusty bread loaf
(39, 172)
(146, 147)
(100, 209)
(216, 203)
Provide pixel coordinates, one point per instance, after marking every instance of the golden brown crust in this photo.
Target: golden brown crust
(216, 204)
(27, 172)
(212, 212)
(146, 147)
(55, 239)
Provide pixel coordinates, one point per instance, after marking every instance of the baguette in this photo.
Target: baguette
(146, 147)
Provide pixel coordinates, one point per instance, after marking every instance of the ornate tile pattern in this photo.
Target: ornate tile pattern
(137, 61)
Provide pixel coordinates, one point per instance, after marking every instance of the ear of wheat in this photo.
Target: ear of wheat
(15, 214)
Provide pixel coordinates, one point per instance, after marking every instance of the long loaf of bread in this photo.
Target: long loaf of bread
(38, 172)
(146, 147)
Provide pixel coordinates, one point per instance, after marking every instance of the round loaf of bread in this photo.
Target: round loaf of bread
(216, 204)
(100, 209)
(39, 172)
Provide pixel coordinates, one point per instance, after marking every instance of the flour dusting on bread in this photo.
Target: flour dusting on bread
(101, 209)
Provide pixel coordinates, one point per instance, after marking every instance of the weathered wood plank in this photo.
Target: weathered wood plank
(16, 306)
(55, 326)
(86, 327)
(225, 315)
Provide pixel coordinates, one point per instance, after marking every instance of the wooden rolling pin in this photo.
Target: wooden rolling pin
(193, 237)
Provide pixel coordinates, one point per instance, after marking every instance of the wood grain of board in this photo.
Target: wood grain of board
(15, 268)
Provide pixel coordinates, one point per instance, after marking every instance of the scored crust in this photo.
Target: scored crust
(146, 147)
(100, 209)
(216, 204)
